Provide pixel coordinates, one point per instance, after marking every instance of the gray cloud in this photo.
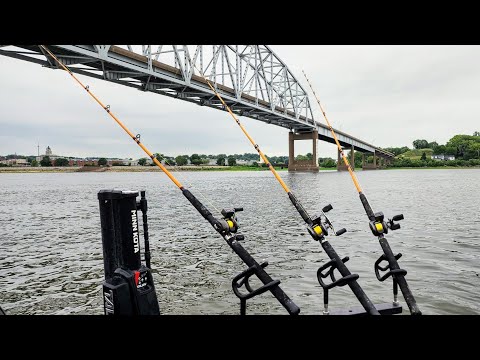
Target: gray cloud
(387, 95)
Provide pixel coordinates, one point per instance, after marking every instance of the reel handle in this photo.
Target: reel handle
(398, 217)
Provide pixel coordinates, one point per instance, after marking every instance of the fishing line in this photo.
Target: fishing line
(379, 228)
(317, 227)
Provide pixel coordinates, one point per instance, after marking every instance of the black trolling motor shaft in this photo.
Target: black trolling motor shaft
(220, 225)
(142, 205)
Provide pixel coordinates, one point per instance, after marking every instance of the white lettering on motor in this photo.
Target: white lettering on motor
(136, 247)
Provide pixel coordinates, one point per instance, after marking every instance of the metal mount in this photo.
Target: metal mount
(389, 273)
(243, 279)
(330, 267)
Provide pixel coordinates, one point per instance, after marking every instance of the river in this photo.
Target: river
(51, 254)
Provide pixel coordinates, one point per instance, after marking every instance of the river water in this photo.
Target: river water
(51, 255)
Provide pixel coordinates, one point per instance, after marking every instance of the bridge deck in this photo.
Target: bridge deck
(136, 70)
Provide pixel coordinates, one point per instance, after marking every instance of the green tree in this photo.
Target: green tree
(420, 144)
(476, 133)
(142, 161)
(231, 161)
(424, 156)
(461, 145)
(181, 160)
(301, 157)
(432, 145)
(440, 149)
(34, 163)
(102, 162)
(61, 162)
(46, 161)
(221, 161)
(195, 159)
(327, 162)
(170, 161)
(475, 147)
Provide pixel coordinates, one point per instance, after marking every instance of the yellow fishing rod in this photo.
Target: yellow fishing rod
(227, 226)
(317, 228)
(379, 228)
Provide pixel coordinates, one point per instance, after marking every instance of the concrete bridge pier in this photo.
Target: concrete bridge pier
(302, 165)
(369, 166)
(341, 165)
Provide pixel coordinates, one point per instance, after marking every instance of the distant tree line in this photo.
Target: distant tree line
(465, 148)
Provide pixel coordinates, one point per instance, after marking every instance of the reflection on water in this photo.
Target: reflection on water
(51, 255)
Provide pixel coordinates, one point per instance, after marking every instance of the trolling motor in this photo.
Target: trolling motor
(128, 288)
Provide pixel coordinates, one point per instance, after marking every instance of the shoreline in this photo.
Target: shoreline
(78, 169)
(87, 169)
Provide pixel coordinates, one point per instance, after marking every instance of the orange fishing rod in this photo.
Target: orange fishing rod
(135, 138)
(227, 226)
(379, 228)
(317, 228)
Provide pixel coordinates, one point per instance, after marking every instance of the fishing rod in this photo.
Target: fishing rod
(227, 226)
(379, 228)
(317, 228)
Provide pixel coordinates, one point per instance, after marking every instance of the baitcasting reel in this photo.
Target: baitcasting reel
(319, 228)
(229, 222)
(380, 227)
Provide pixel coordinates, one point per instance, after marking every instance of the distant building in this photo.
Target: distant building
(49, 153)
(245, 162)
(82, 162)
(15, 162)
(443, 157)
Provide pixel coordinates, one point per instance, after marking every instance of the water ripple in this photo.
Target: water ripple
(51, 255)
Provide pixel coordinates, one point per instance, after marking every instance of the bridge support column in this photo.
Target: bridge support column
(372, 166)
(352, 158)
(302, 165)
(341, 164)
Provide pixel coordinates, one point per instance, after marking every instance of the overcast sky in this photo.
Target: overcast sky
(385, 95)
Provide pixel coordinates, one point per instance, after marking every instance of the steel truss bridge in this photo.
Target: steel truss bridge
(252, 79)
